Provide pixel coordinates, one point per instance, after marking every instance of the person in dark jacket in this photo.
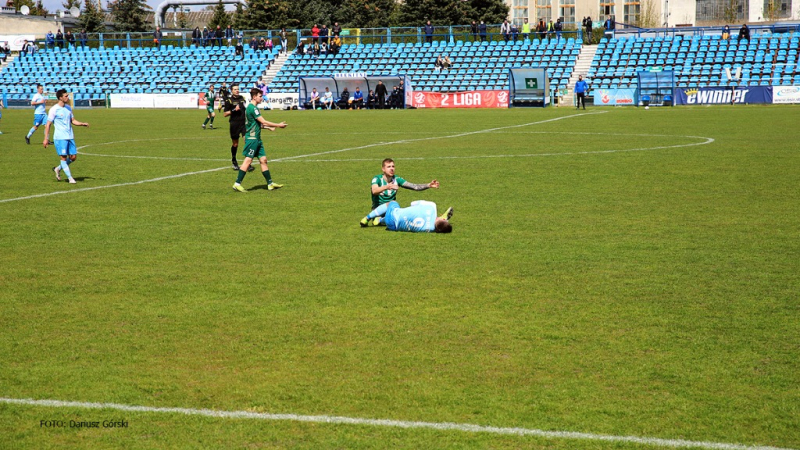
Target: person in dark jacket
(229, 34)
(83, 37)
(157, 35)
(197, 36)
(474, 30)
(59, 39)
(482, 30)
(429, 32)
(380, 92)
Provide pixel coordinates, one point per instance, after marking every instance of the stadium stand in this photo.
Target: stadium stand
(698, 61)
(91, 73)
(476, 66)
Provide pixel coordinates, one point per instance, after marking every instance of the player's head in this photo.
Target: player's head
(442, 226)
(388, 167)
(62, 95)
(256, 94)
(39, 88)
(235, 89)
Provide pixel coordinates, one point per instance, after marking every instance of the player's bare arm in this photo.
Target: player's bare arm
(46, 134)
(79, 124)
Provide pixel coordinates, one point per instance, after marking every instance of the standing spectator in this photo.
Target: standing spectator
(206, 36)
(229, 34)
(429, 32)
(514, 32)
(83, 37)
(505, 30)
(581, 89)
(197, 36)
(482, 29)
(380, 94)
(50, 40)
(315, 35)
(608, 25)
(70, 39)
(59, 39)
(551, 29)
(157, 35)
(220, 33)
(474, 29)
(284, 41)
(744, 32)
(526, 29)
(323, 34)
(726, 32)
(589, 30)
(558, 27)
(541, 28)
(24, 50)
(336, 30)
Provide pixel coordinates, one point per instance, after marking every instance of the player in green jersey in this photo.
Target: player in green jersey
(384, 190)
(210, 96)
(253, 147)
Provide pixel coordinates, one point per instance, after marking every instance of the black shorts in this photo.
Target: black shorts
(237, 129)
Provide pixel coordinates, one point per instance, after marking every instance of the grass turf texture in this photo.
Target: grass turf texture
(637, 293)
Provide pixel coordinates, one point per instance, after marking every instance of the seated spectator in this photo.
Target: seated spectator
(262, 44)
(744, 32)
(254, 44)
(437, 66)
(446, 63)
(344, 100)
(372, 100)
(336, 45)
(24, 50)
(313, 100)
(327, 98)
(726, 33)
(301, 48)
(323, 48)
(358, 99)
(269, 45)
(240, 49)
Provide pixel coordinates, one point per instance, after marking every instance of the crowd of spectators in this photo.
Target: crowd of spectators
(324, 41)
(379, 98)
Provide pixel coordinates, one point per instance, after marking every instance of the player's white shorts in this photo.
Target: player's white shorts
(66, 147)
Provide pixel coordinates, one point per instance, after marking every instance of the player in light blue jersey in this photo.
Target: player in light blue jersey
(61, 116)
(420, 217)
(39, 112)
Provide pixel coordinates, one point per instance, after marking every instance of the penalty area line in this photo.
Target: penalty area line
(339, 420)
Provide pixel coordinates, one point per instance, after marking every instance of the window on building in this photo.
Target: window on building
(568, 11)
(544, 10)
(519, 11)
(606, 10)
(632, 13)
(730, 11)
(777, 9)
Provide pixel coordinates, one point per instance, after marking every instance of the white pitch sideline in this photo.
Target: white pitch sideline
(441, 426)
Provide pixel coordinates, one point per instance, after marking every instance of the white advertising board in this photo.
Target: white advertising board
(15, 41)
(167, 101)
(786, 94)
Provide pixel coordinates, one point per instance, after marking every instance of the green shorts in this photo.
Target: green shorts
(210, 108)
(253, 149)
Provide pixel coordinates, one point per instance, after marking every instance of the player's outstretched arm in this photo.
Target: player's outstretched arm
(79, 124)
(420, 187)
(266, 123)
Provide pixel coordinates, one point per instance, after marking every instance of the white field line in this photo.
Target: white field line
(441, 426)
(378, 144)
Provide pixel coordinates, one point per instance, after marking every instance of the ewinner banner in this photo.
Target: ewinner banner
(615, 97)
(723, 95)
(469, 99)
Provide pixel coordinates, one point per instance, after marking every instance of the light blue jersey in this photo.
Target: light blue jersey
(419, 217)
(38, 109)
(61, 116)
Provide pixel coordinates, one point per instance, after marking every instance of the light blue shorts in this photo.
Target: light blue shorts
(39, 119)
(66, 147)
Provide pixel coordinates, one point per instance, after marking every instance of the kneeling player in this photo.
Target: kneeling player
(420, 217)
(253, 147)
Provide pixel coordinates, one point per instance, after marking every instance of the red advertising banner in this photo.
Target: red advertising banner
(468, 99)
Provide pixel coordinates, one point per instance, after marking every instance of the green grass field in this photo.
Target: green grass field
(620, 272)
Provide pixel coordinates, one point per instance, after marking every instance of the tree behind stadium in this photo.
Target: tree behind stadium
(366, 13)
(269, 15)
(128, 15)
(414, 13)
(37, 9)
(220, 17)
(92, 18)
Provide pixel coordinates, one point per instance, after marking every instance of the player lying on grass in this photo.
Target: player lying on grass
(253, 147)
(384, 190)
(420, 217)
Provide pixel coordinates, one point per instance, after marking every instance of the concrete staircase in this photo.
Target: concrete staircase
(581, 68)
(276, 65)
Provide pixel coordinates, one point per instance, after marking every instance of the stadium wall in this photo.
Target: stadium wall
(19, 24)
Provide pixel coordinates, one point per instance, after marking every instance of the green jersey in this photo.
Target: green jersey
(252, 125)
(210, 99)
(387, 195)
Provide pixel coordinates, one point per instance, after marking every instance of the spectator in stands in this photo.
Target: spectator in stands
(24, 50)
(726, 32)
(284, 41)
(4, 52)
(269, 45)
(581, 89)
(437, 66)
(262, 44)
(220, 33)
(551, 29)
(197, 36)
(395, 101)
(744, 32)
(514, 32)
(315, 35)
(541, 29)
(70, 38)
(327, 98)
(323, 48)
(229, 34)
(589, 30)
(323, 34)
(254, 44)
(380, 95)
(240, 49)
(559, 26)
(206, 36)
(313, 99)
(474, 29)
(429, 32)
(358, 99)
(526, 29)
(344, 100)
(32, 48)
(261, 86)
(372, 100)
(336, 44)
(505, 30)
(446, 63)
(59, 38)
(301, 47)
(50, 40)
(336, 30)
(157, 37)
(83, 37)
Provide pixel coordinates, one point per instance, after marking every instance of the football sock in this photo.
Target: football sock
(379, 211)
(242, 173)
(212, 120)
(30, 133)
(65, 168)
(267, 176)
(206, 122)
(233, 155)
